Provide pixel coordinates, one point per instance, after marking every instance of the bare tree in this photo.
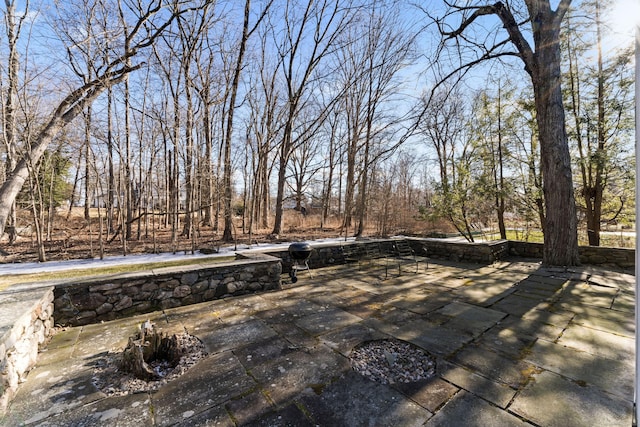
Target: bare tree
(394, 196)
(169, 63)
(387, 48)
(264, 100)
(193, 31)
(332, 157)
(542, 63)
(492, 127)
(525, 160)
(306, 41)
(13, 27)
(376, 48)
(445, 128)
(303, 166)
(149, 21)
(208, 90)
(246, 33)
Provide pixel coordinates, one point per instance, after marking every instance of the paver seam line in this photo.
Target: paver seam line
(561, 309)
(520, 417)
(601, 329)
(513, 398)
(305, 411)
(523, 385)
(480, 374)
(258, 388)
(580, 383)
(507, 410)
(440, 406)
(76, 342)
(593, 329)
(294, 399)
(479, 342)
(613, 300)
(229, 413)
(561, 334)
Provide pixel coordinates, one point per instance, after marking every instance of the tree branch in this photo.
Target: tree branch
(510, 25)
(480, 11)
(563, 7)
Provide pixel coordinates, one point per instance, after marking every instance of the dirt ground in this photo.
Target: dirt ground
(74, 238)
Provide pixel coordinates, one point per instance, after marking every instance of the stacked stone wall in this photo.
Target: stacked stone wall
(81, 303)
(608, 257)
(593, 255)
(488, 252)
(322, 255)
(22, 338)
(525, 249)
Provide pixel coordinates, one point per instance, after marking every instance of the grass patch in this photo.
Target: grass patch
(13, 279)
(534, 236)
(607, 238)
(614, 240)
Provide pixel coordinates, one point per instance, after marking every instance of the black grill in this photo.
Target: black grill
(300, 253)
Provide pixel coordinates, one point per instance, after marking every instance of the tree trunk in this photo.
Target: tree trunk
(560, 229)
(499, 180)
(227, 235)
(87, 172)
(111, 180)
(68, 109)
(128, 178)
(326, 196)
(350, 182)
(362, 204)
(9, 120)
(264, 178)
(207, 169)
(594, 215)
(187, 228)
(282, 173)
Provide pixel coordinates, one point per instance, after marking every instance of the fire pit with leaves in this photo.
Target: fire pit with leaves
(151, 359)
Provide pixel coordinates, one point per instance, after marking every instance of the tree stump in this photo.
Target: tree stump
(148, 346)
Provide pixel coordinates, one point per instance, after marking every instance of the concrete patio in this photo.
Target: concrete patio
(516, 344)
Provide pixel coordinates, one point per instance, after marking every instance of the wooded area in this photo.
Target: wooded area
(197, 123)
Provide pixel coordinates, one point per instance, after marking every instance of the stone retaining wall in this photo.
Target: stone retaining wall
(322, 255)
(327, 254)
(593, 255)
(609, 257)
(256, 270)
(142, 292)
(525, 249)
(28, 328)
(486, 252)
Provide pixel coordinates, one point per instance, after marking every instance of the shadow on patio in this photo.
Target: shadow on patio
(516, 344)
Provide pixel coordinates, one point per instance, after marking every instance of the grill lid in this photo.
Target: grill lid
(300, 250)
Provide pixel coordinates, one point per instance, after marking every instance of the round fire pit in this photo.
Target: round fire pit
(300, 253)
